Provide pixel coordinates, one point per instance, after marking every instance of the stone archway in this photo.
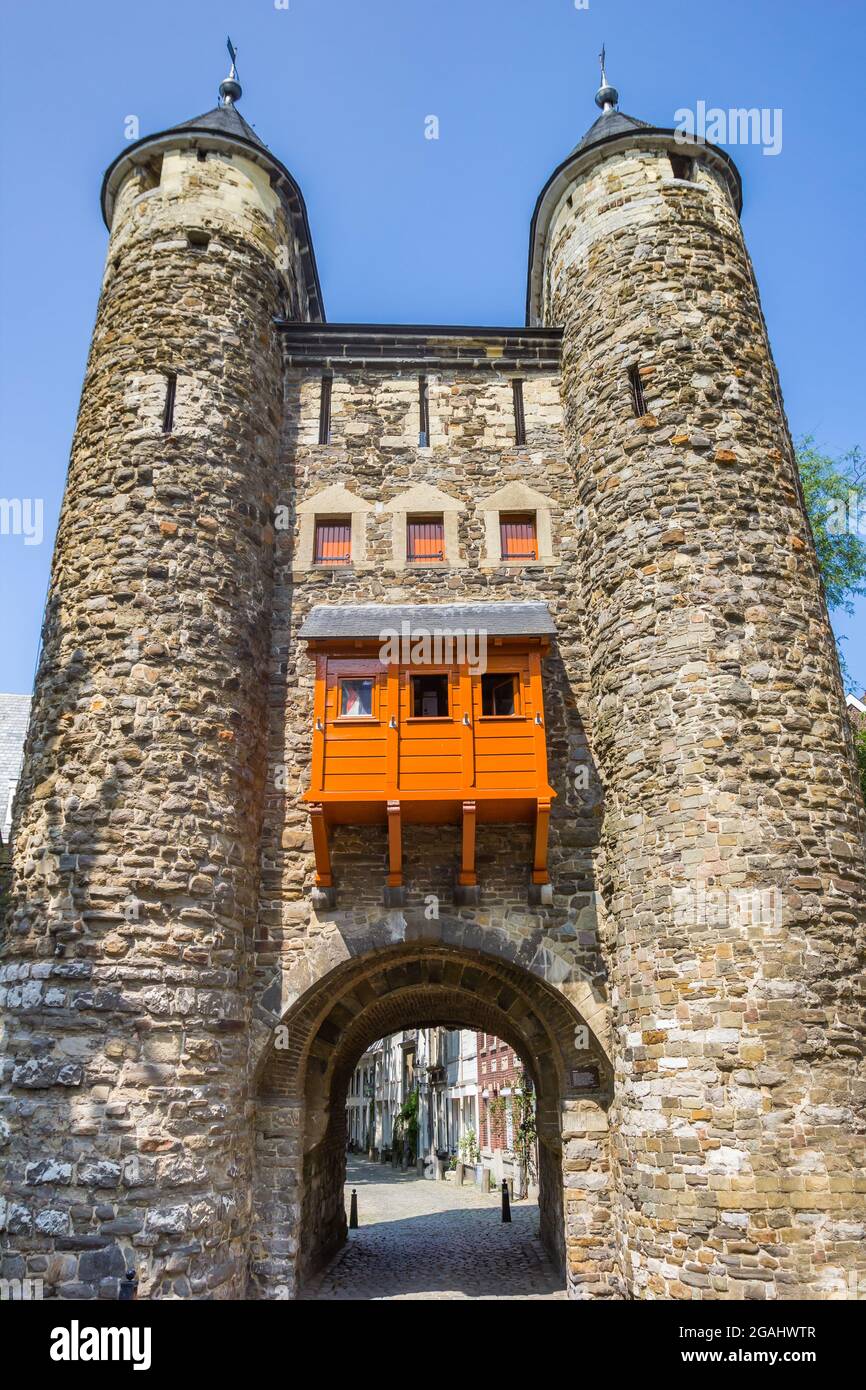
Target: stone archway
(299, 1218)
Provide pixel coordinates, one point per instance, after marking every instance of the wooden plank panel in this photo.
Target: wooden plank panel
(426, 782)
(432, 765)
(355, 734)
(340, 783)
(431, 747)
(517, 781)
(500, 764)
(505, 748)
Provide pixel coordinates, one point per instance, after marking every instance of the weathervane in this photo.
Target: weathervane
(230, 89)
(606, 97)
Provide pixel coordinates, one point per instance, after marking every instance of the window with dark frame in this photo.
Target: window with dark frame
(683, 166)
(168, 409)
(325, 410)
(518, 537)
(429, 697)
(498, 694)
(356, 699)
(425, 540)
(638, 399)
(333, 544)
(423, 413)
(519, 413)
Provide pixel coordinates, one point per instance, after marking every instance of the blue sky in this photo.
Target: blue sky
(409, 229)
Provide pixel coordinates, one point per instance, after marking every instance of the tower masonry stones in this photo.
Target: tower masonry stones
(623, 834)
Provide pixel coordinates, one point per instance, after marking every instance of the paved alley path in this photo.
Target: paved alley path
(419, 1239)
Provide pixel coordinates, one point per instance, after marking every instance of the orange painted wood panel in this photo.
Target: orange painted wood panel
(392, 751)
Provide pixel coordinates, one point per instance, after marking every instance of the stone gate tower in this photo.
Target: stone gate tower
(732, 858)
(137, 863)
(627, 838)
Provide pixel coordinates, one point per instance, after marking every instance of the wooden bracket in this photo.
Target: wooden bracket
(542, 828)
(467, 877)
(319, 827)
(395, 846)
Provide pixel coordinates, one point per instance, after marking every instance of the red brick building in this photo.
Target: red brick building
(499, 1070)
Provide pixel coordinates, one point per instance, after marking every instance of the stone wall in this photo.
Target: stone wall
(374, 455)
(734, 837)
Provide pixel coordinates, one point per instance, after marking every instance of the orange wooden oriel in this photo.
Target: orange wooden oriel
(428, 744)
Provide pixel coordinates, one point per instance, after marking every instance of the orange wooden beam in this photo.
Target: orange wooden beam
(395, 846)
(318, 824)
(467, 877)
(542, 829)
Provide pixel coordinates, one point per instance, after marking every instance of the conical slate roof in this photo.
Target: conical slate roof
(224, 120)
(609, 123)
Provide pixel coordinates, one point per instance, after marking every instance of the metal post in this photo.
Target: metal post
(506, 1202)
(353, 1211)
(128, 1287)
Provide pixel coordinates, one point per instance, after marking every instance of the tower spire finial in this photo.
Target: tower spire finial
(230, 89)
(606, 97)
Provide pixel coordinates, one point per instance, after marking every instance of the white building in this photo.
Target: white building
(441, 1063)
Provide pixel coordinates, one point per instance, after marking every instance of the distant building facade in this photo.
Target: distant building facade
(14, 714)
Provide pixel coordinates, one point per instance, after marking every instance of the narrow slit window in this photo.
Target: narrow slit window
(519, 413)
(682, 166)
(325, 411)
(150, 173)
(638, 399)
(170, 395)
(423, 413)
(518, 537)
(333, 541)
(498, 694)
(430, 697)
(356, 699)
(425, 540)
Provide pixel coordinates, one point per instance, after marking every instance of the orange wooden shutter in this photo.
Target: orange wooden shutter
(518, 538)
(425, 541)
(333, 543)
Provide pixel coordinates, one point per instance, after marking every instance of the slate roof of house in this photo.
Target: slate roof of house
(14, 714)
(377, 619)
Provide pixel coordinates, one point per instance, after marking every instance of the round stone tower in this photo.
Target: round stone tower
(122, 1114)
(732, 863)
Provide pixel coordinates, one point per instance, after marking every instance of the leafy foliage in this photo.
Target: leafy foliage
(836, 504)
(860, 745)
(835, 493)
(406, 1123)
(468, 1146)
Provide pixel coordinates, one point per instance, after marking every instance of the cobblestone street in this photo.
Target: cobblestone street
(419, 1239)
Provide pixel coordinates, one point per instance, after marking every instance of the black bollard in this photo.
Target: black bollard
(353, 1210)
(506, 1202)
(128, 1287)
